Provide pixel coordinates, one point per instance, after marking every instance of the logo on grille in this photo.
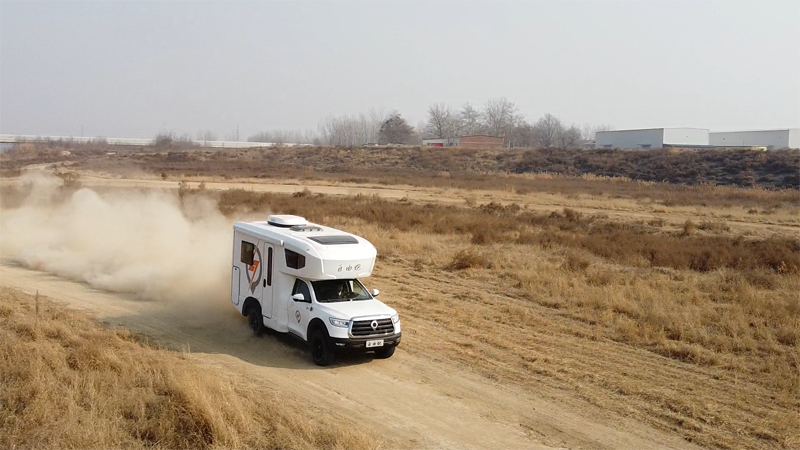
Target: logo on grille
(374, 324)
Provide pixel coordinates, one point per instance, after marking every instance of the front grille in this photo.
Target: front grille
(364, 328)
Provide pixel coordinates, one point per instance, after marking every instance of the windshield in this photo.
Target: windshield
(329, 291)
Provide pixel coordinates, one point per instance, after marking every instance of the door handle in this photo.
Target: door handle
(265, 282)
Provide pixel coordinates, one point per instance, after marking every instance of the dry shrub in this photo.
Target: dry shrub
(302, 194)
(469, 258)
(788, 335)
(70, 180)
(576, 262)
(70, 383)
(760, 278)
(485, 237)
(572, 216)
(689, 228)
(714, 226)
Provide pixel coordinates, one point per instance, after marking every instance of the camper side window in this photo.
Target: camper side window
(248, 251)
(295, 260)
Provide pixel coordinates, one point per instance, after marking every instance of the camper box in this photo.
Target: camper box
(302, 278)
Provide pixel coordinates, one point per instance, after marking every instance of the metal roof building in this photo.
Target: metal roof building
(771, 139)
(652, 138)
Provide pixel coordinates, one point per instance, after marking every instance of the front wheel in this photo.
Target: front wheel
(255, 321)
(321, 349)
(385, 352)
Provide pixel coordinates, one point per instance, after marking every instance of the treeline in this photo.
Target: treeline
(501, 117)
(497, 117)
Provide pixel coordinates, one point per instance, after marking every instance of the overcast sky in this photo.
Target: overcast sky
(133, 69)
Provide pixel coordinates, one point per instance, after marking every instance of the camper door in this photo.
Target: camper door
(257, 260)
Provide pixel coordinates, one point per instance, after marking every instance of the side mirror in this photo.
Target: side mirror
(375, 292)
(299, 298)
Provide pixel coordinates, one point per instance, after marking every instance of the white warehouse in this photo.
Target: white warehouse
(771, 139)
(652, 138)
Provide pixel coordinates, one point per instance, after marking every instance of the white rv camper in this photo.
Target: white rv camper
(301, 278)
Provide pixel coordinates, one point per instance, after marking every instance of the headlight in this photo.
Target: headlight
(396, 318)
(339, 322)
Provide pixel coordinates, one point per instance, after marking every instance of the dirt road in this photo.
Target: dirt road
(416, 398)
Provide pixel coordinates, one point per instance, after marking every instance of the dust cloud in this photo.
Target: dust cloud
(143, 243)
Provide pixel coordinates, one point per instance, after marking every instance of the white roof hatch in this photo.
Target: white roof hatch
(286, 220)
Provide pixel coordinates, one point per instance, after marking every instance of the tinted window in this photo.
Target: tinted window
(340, 290)
(248, 250)
(269, 266)
(294, 260)
(300, 287)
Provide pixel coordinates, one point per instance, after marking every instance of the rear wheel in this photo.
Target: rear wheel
(385, 352)
(321, 350)
(255, 321)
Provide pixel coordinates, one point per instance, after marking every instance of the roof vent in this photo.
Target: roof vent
(305, 228)
(286, 220)
(335, 239)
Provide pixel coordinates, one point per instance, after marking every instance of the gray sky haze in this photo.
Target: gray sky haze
(132, 69)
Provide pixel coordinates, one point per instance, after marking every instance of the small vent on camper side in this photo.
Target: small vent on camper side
(305, 228)
(334, 240)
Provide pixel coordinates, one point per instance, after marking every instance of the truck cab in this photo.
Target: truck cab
(305, 279)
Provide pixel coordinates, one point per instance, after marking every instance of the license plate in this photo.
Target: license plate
(377, 343)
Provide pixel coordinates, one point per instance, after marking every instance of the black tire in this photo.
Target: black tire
(255, 320)
(321, 350)
(385, 352)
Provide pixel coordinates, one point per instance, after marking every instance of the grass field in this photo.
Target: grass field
(673, 305)
(69, 382)
(722, 307)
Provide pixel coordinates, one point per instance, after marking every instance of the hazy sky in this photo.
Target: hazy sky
(133, 69)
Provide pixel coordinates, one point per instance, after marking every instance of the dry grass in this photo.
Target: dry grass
(691, 328)
(562, 290)
(712, 356)
(708, 177)
(71, 383)
(637, 244)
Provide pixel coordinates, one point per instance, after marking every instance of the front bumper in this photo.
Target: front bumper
(360, 344)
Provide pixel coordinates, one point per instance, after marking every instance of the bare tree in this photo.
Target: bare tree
(442, 121)
(348, 131)
(589, 132)
(205, 136)
(522, 135)
(547, 130)
(470, 121)
(569, 137)
(422, 131)
(377, 116)
(500, 117)
(283, 137)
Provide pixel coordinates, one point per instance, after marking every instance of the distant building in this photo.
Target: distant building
(476, 141)
(443, 142)
(653, 138)
(771, 139)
